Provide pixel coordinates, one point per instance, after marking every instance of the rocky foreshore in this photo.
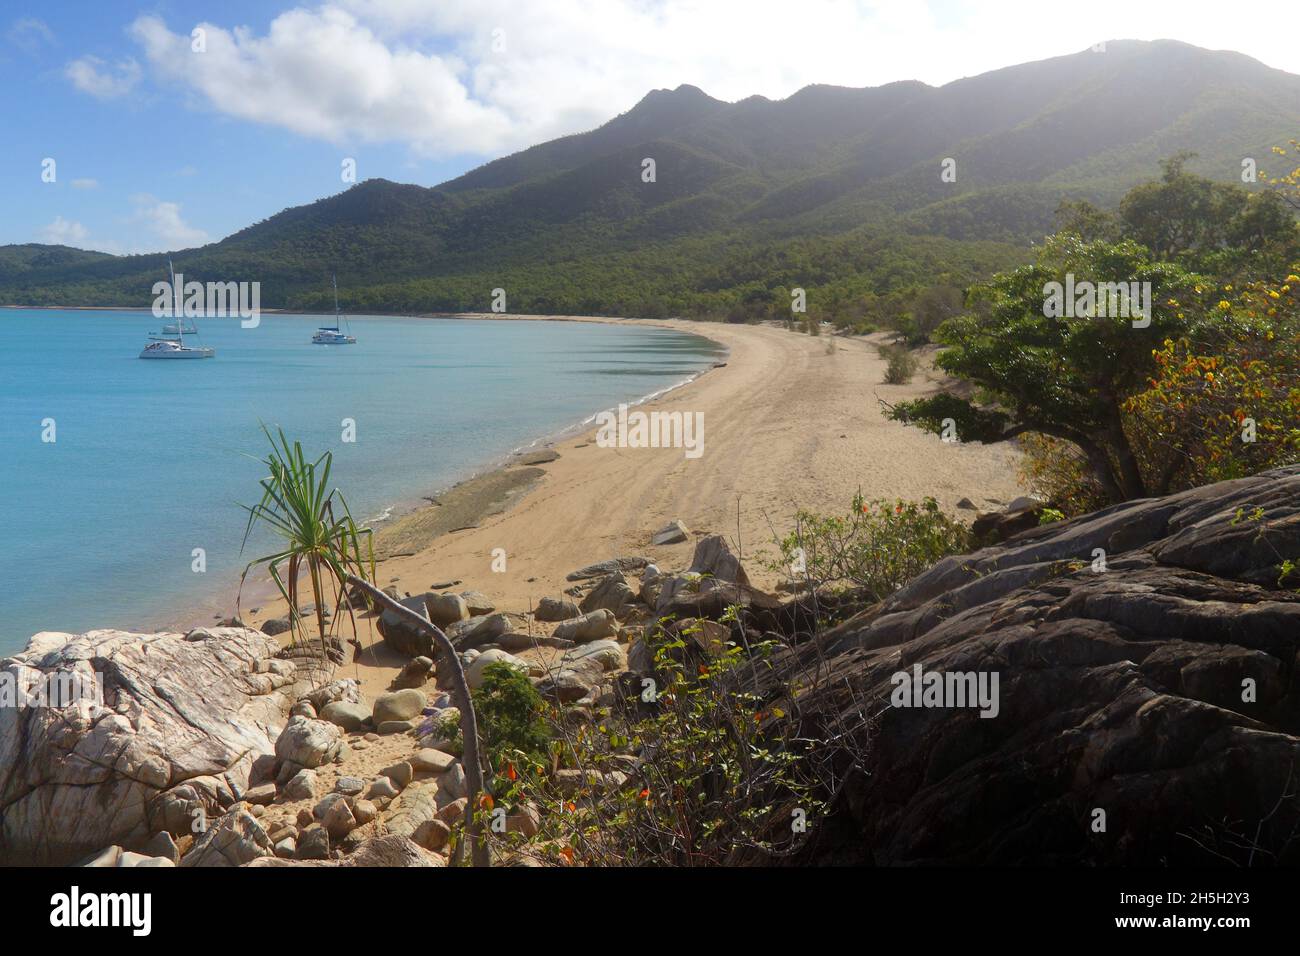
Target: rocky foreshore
(1152, 691)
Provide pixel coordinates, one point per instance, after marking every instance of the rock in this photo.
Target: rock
(235, 839)
(565, 687)
(602, 568)
(589, 627)
(351, 717)
(606, 653)
(611, 593)
(308, 743)
(555, 609)
(313, 844)
(1023, 503)
(349, 786)
(398, 705)
(400, 773)
(161, 844)
(260, 795)
(640, 658)
(453, 810)
(672, 533)
(418, 805)
(301, 786)
(478, 630)
(303, 708)
(390, 727)
(364, 811)
(713, 558)
(432, 834)
(285, 848)
(188, 717)
(429, 760)
(525, 820)
(382, 787)
(338, 820)
(570, 782)
(387, 851)
(477, 603)
(305, 818)
(445, 609)
(542, 457)
(522, 642)
(402, 636)
(414, 673)
(452, 785)
(1121, 690)
(474, 675)
(994, 527)
(276, 625)
(967, 505)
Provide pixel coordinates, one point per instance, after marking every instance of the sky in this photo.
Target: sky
(175, 123)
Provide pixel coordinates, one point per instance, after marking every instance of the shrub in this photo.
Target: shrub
(878, 546)
(510, 714)
(901, 366)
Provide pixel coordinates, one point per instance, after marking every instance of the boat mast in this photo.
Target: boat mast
(335, 280)
(176, 303)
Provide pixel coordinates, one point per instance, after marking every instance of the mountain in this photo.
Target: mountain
(833, 189)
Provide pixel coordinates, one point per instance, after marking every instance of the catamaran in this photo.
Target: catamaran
(165, 346)
(333, 335)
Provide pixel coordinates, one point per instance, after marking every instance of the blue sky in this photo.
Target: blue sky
(161, 146)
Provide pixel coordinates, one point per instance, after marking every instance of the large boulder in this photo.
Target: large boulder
(182, 724)
(237, 838)
(590, 627)
(611, 593)
(474, 673)
(309, 743)
(555, 609)
(1144, 711)
(401, 635)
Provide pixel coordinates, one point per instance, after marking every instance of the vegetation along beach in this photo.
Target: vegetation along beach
(653, 436)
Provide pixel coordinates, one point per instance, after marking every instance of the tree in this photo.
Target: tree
(1064, 375)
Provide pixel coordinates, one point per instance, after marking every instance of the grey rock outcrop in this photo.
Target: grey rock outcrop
(183, 722)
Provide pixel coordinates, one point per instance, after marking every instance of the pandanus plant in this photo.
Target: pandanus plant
(316, 532)
(299, 506)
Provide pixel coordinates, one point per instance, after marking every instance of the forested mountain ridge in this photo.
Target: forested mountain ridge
(833, 189)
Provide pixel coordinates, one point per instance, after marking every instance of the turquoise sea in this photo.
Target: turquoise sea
(151, 459)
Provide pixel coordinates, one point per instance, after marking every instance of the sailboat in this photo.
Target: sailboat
(166, 347)
(333, 335)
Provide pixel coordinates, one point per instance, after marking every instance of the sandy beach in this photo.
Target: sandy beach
(791, 421)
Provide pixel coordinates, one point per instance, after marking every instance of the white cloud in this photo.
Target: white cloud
(425, 72)
(104, 81)
(65, 232)
(163, 221)
(30, 34)
(85, 183)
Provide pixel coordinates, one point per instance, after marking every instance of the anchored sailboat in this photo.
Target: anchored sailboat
(166, 346)
(333, 335)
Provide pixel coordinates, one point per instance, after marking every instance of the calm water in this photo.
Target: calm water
(151, 458)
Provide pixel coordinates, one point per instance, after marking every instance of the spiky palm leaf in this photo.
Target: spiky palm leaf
(298, 506)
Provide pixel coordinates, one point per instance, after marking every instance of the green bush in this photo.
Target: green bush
(511, 719)
(902, 364)
(878, 546)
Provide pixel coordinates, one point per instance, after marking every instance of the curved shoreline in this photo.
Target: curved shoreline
(478, 492)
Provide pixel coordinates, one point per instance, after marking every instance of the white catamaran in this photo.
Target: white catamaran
(333, 335)
(171, 344)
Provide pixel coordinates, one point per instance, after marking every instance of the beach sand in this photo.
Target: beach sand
(792, 421)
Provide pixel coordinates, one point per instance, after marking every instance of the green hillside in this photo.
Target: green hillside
(832, 189)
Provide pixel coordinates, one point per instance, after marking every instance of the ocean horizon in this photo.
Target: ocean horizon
(152, 460)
